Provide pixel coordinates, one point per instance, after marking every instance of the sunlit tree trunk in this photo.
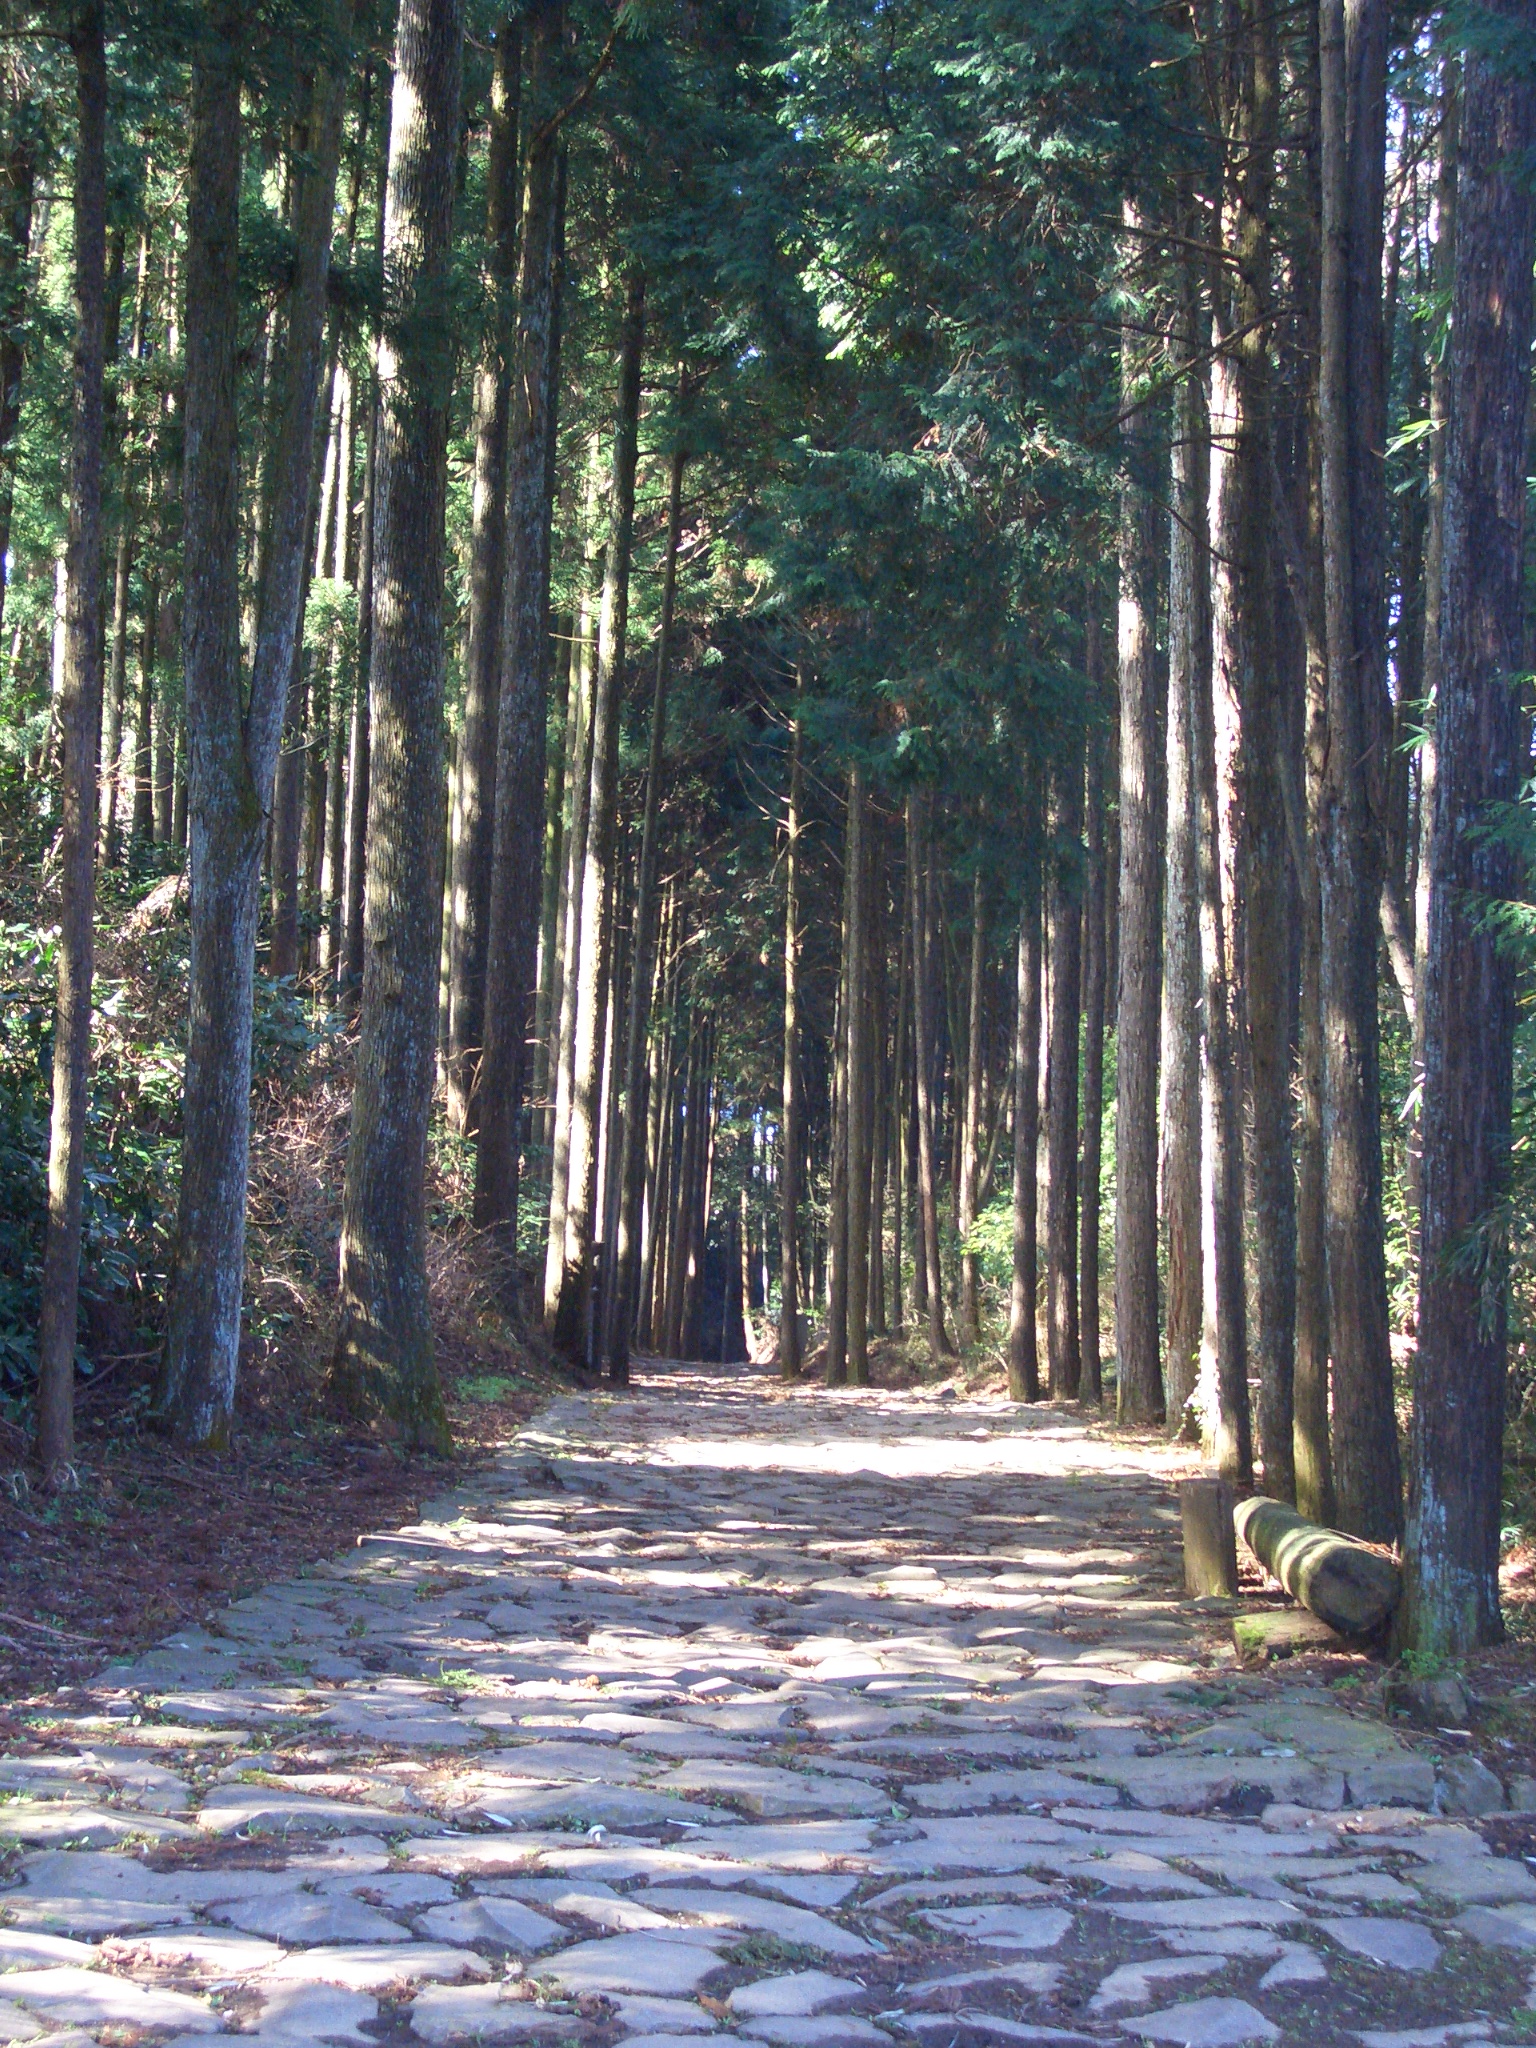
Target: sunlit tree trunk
(919, 885)
(1094, 1000)
(791, 1132)
(594, 963)
(1451, 1593)
(859, 1082)
(1137, 1323)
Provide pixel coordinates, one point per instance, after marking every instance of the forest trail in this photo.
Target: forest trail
(718, 1705)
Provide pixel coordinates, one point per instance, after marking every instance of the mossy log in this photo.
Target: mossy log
(1342, 1582)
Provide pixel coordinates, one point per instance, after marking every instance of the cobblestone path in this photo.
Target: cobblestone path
(725, 1709)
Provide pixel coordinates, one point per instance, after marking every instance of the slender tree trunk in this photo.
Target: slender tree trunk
(970, 1264)
(1452, 1580)
(1023, 1341)
(594, 962)
(1064, 918)
(232, 744)
(1223, 1394)
(79, 715)
(1137, 1324)
(859, 1084)
(896, 1143)
(632, 1159)
(143, 828)
(1180, 1110)
(791, 1129)
(1094, 1000)
(875, 967)
(837, 1166)
(521, 738)
(358, 729)
(474, 792)
(1444, 225)
(1367, 1473)
(920, 899)
(385, 1364)
(18, 180)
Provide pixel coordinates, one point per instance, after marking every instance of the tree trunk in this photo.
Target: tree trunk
(1223, 1393)
(516, 887)
(595, 959)
(1251, 693)
(384, 1364)
(970, 1264)
(1064, 921)
(232, 744)
(18, 179)
(359, 728)
(1180, 1109)
(1023, 1343)
(626, 1252)
(474, 792)
(1137, 1331)
(79, 715)
(791, 1126)
(1452, 1554)
(879, 1118)
(1443, 261)
(919, 886)
(1367, 1472)
(1094, 998)
(859, 1083)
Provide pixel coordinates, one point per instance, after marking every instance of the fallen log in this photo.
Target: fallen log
(1342, 1582)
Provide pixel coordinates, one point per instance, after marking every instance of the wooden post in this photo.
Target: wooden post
(1210, 1541)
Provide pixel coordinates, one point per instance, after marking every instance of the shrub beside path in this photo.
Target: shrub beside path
(720, 1708)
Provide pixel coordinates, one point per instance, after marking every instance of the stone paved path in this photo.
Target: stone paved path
(810, 1719)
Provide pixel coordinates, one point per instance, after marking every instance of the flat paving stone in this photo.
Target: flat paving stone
(293, 2015)
(17, 2024)
(771, 1793)
(502, 1923)
(445, 2013)
(371, 1966)
(1016, 1927)
(663, 1967)
(91, 1998)
(744, 1909)
(1140, 1982)
(264, 1810)
(825, 2030)
(1399, 1944)
(1206, 2023)
(793, 1997)
(304, 1917)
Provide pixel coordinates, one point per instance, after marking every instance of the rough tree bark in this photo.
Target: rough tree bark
(919, 888)
(970, 1264)
(384, 1366)
(1452, 1554)
(636, 1106)
(1064, 922)
(859, 1082)
(18, 180)
(1023, 1337)
(1095, 991)
(79, 711)
(1137, 1332)
(1367, 1471)
(595, 958)
(791, 1137)
(1182, 993)
(232, 745)
(516, 872)
(474, 792)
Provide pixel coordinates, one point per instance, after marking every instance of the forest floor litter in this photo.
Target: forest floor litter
(719, 1707)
